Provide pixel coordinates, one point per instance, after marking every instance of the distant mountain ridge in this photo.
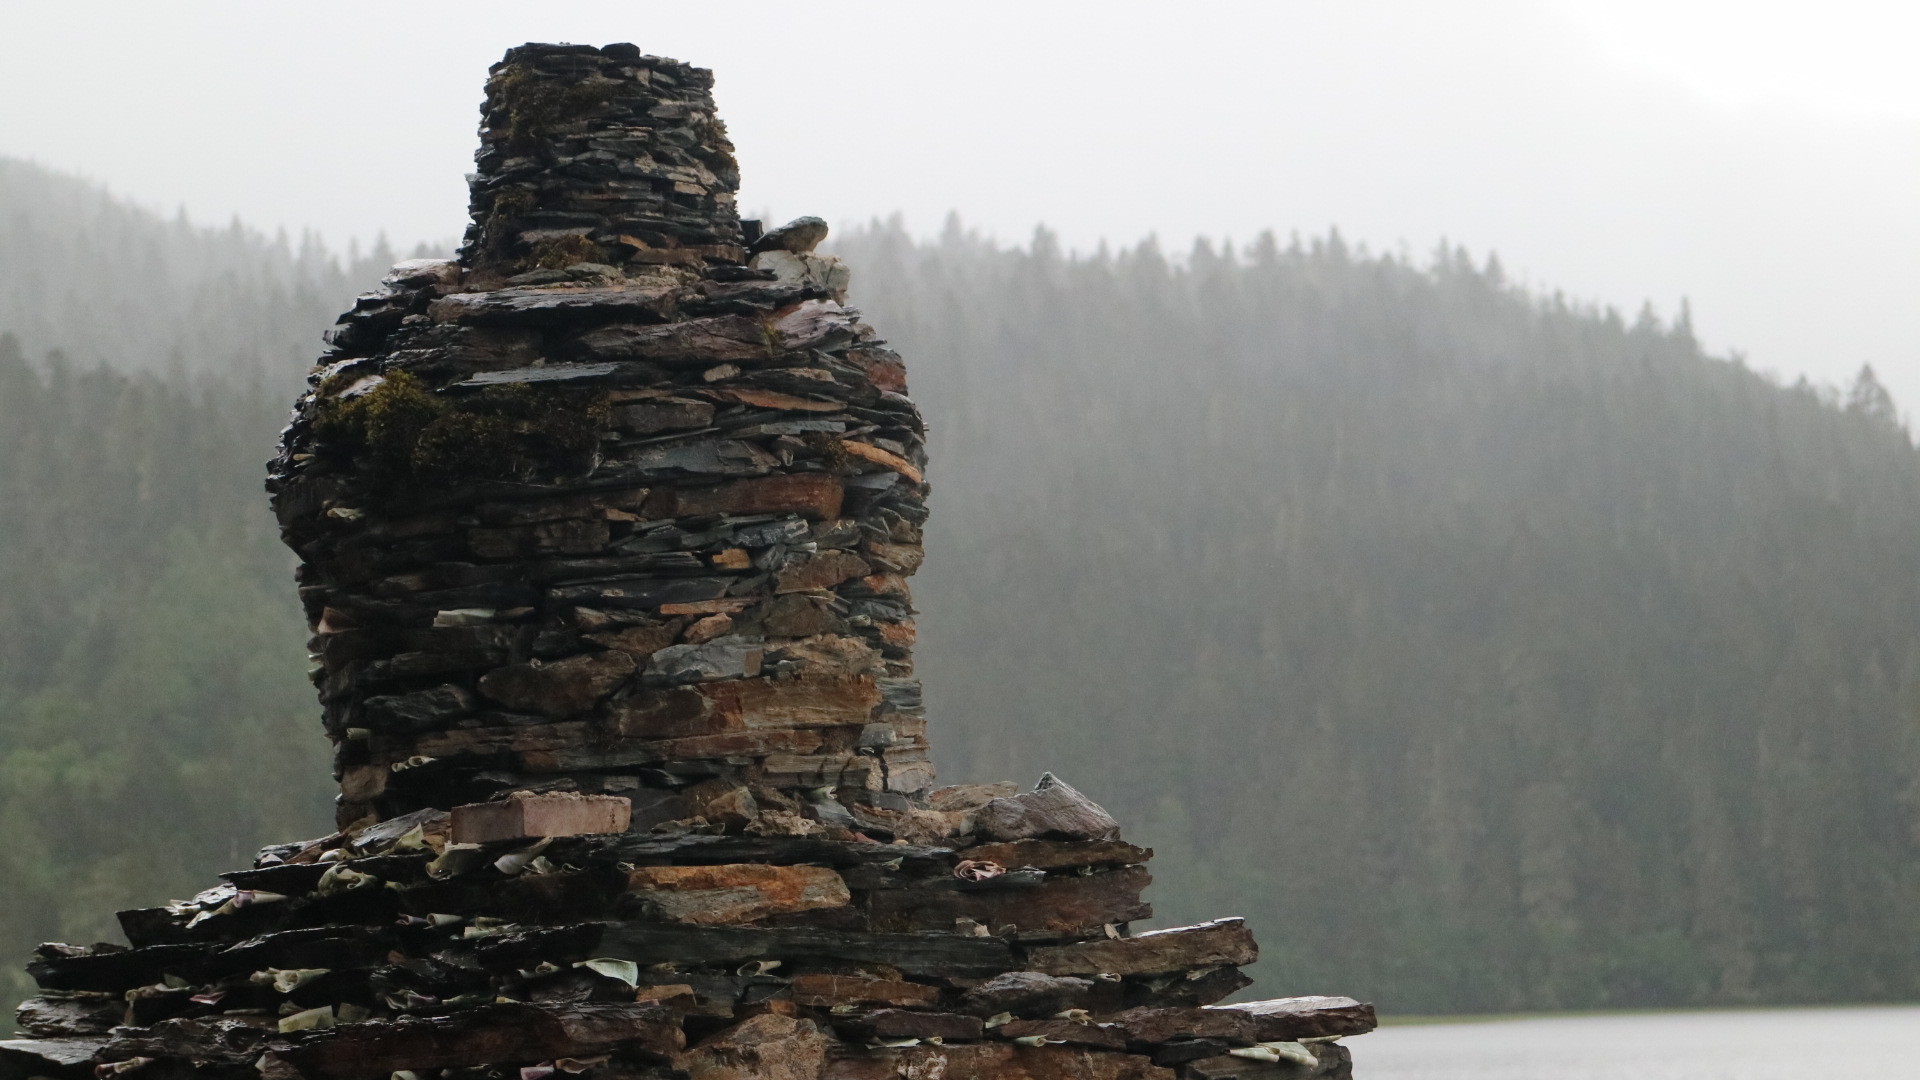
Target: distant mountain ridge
(1510, 654)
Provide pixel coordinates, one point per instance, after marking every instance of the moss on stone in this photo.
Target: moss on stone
(534, 104)
(382, 425)
(512, 433)
(503, 220)
(832, 450)
(560, 252)
(402, 429)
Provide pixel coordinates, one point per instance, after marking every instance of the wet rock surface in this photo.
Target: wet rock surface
(605, 532)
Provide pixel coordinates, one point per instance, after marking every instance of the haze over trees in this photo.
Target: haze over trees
(103, 280)
(1486, 650)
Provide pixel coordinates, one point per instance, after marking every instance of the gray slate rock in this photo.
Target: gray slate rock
(1054, 809)
(799, 236)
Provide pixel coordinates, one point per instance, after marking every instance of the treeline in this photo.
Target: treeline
(1489, 652)
(107, 281)
(155, 725)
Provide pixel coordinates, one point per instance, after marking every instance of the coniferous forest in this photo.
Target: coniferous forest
(1509, 653)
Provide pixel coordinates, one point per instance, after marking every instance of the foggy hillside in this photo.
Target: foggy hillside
(155, 722)
(105, 280)
(1504, 652)
(1509, 654)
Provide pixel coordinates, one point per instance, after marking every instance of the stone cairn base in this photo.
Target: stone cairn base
(604, 533)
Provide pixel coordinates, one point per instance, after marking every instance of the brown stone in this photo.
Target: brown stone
(813, 770)
(1054, 810)
(742, 705)
(568, 537)
(913, 727)
(910, 1024)
(776, 1006)
(828, 990)
(831, 655)
(638, 640)
(1179, 1053)
(809, 494)
(363, 783)
(1071, 1032)
(816, 324)
(680, 712)
(801, 947)
(793, 617)
(899, 558)
(723, 801)
(523, 306)
(1030, 994)
(1223, 941)
(76, 1014)
(519, 739)
(676, 996)
(1332, 1061)
(529, 511)
(526, 815)
(1060, 854)
(674, 414)
(742, 338)
(706, 607)
(800, 701)
(744, 743)
(574, 744)
(732, 559)
(1066, 903)
(884, 458)
(822, 571)
(768, 399)
(764, 1047)
(1159, 1023)
(28, 1059)
(969, 796)
(909, 771)
(1204, 987)
(482, 1035)
(892, 585)
(993, 1061)
(624, 753)
(706, 629)
(729, 895)
(560, 688)
(1294, 1018)
(883, 368)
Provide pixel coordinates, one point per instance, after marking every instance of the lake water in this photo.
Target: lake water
(1764, 1044)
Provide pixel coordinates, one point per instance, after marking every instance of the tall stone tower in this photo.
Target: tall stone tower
(604, 533)
(600, 507)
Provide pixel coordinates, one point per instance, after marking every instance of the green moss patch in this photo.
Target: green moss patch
(403, 430)
(534, 105)
(560, 252)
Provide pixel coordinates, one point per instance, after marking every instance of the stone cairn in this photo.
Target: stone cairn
(604, 533)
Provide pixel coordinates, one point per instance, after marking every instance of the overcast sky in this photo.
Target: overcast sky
(1761, 159)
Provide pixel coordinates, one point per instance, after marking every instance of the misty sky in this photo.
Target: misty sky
(1762, 159)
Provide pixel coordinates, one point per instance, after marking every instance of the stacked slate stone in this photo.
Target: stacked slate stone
(604, 533)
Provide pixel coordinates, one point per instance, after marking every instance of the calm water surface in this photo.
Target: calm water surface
(1769, 1044)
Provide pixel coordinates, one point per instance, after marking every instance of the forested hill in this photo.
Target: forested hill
(1488, 652)
(155, 722)
(106, 281)
(1485, 651)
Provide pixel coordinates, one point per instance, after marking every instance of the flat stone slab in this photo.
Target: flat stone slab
(528, 817)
